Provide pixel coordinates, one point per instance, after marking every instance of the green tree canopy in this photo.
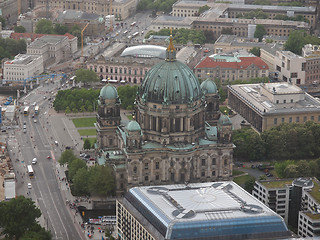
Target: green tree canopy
(86, 75)
(18, 216)
(127, 94)
(74, 166)
(255, 51)
(19, 29)
(257, 13)
(101, 181)
(295, 42)
(11, 47)
(67, 157)
(60, 29)
(262, 2)
(86, 144)
(3, 22)
(260, 32)
(45, 26)
(203, 9)
(80, 183)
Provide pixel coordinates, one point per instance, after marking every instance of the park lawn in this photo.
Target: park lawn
(84, 122)
(130, 117)
(87, 132)
(236, 172)
(242, 179)
(91, 140)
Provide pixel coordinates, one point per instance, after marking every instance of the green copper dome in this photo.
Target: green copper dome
(170, 82)
(108, 92)
(133, 126)
(224, 120)
(209, 86)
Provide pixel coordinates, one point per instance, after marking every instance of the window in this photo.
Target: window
(294, 75)
(203, 174)
(146, 166)
(304, 119)
(157, 177)
(172, 177)
(213, 173)
(284, 101)
(146, 178)
(203, 162)
(278, 68)
(297, 119)
(282, 120)
(157, 165)
(275, 121)
(213, 161)
(312, 118)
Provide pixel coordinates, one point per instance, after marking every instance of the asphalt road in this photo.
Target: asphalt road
(38, 142)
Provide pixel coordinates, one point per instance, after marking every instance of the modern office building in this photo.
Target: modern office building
(178, 134)
(274, 194)
(200, 211)
(267, 105)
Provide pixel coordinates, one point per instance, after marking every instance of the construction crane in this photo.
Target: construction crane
(82, 38)
(111, 13)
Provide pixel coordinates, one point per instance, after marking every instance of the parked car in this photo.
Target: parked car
(29, 186)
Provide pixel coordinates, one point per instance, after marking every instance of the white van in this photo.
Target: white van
(34, 161)
(56, 143)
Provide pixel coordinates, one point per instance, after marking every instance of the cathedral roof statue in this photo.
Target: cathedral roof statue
(108, 92)
(170, 82)
(209, 87)
(133, 126)
(224, 120)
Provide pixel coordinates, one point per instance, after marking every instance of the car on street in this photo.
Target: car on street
(35, 120)
(48, 157)
(24, 130)
(29, 186)
(34, 161)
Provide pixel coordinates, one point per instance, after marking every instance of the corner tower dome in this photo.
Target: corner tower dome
(170, 82)
(108, 92)
(209, 87)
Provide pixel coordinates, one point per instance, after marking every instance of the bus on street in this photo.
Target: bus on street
(132, 24)
(26, 111)
(30, 171)
(135, 34)
(36, 110)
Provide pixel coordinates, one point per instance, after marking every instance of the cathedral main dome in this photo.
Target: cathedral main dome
(170, 82)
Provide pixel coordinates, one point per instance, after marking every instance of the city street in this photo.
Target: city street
(39, 142)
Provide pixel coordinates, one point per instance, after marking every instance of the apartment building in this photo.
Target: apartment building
(267, 105)
(21, 67)
(274, 194)
(231, 67)
(290, 67)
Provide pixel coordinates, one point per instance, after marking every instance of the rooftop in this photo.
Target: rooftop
(184, 210)
(262, 98)
(146, 51)
(314, 216)
(276, 183)
(248, 7)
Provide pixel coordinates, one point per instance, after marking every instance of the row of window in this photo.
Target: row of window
(305, 118)
(115, 70)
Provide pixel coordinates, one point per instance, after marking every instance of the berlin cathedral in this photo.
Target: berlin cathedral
(178, 134)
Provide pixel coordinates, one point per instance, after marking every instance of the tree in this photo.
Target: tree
(281, 166)
(18, 216)
(203, 9)
(36, 233)
(45, 26)
(3, 22)
(295, 42)
(260, 32)
(86, 75)
(255, 51)
(80, 183)
(86, 144)
(76, 31)
(74, 166)
(249, 184)
(209, 36)
(101, 181)
(67, 157)
(19, 29)
(60, 29)
(127, 94)
(291, 171)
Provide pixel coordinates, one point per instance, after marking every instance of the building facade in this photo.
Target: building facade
(200, 211)
(291, 67)
(231, 67)
(275, 195)
(178, 134)
(21, 67)
(121, 9)
(267, 105)
(53, 49)
(312, 55)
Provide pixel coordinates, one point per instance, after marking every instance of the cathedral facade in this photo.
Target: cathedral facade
(178, 134)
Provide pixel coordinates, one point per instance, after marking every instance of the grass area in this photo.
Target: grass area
(315, 216)
(236, 172)
(276, 183)
(91, 140)
(87, 132)
(130, 117)
(84, 122)
(242, 179)
(315, 190)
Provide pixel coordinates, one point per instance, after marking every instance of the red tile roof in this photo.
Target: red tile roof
(34, 36)
(245, 63)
